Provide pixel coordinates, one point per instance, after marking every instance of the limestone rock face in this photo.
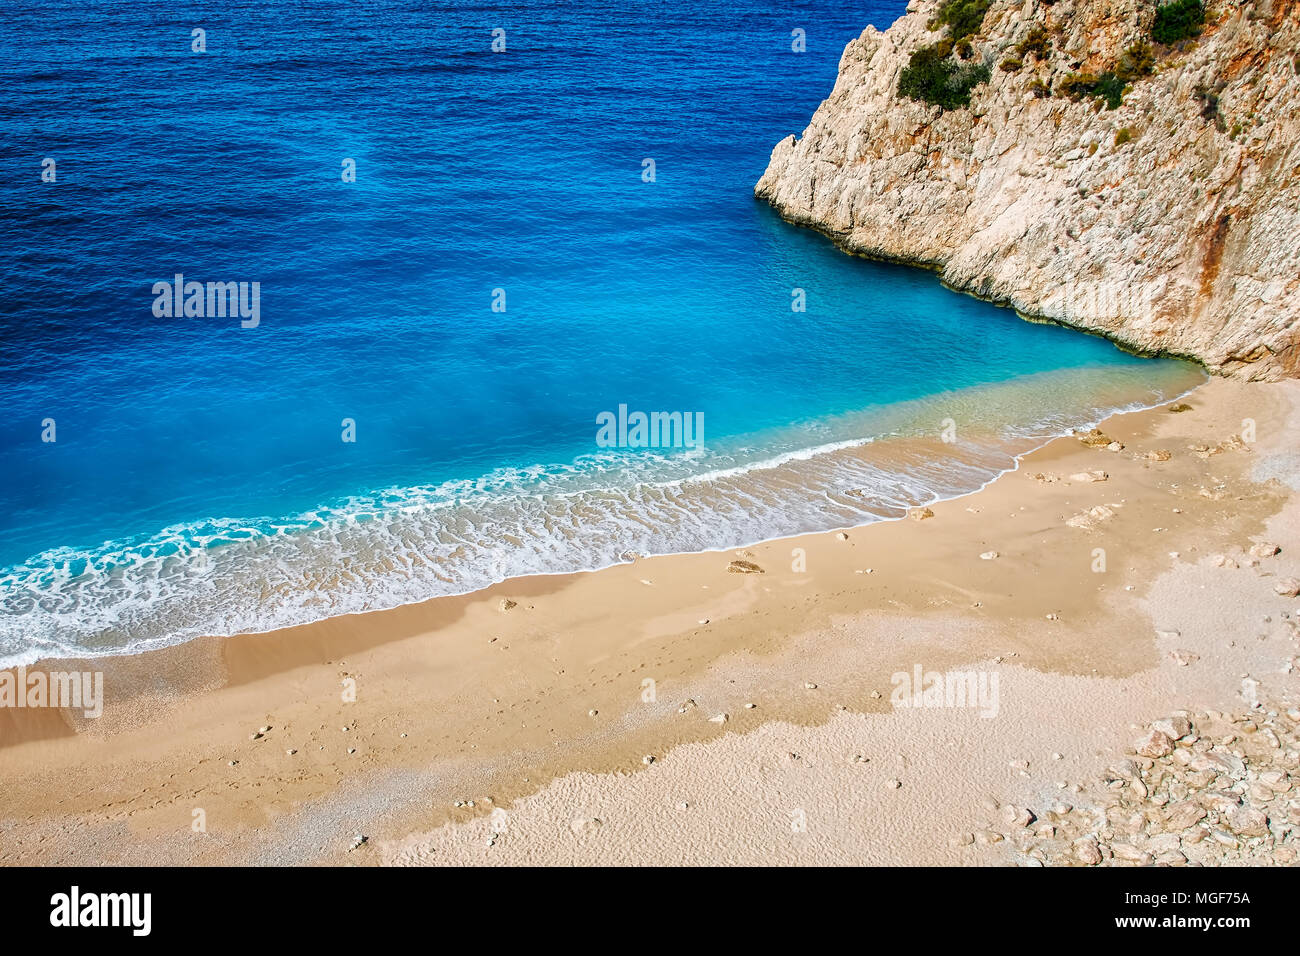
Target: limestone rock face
(1179, 236)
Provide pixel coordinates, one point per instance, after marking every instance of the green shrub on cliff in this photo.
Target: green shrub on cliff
(1179, 20)
(931, 75)
(1136, 62)
(1107, 87)
(1037, 43)
(963, 18)
(939, 81)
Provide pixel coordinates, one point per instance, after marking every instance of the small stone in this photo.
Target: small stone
(592, 712)
(988, 555)
(988, 837)
(1126, 851)
(1159, 454)
(1115, 446)
(358, 841)
(1094, 438)
(290, 752)
(1264, 549)
(1288, 587)
(1182, 815)
(809, 685)
(1087, 852)
(1089, 476)
(1173, 727)
(750, 706)
(507, 604)
(648, 759)
(893, 784)
(1154, 744)
(718, 719)
(1249, 822)
(920, 514)
(842, 535)
(1017, 816)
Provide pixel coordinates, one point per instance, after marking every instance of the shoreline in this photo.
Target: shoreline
(854, 446)
(459, 698)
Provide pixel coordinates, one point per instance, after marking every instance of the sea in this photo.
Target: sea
(450, 243)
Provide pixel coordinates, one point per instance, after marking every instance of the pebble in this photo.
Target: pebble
(718, 719)
(1087, 852)
(1154, 744)
(988, 555)
(648, 759)
(893, 784)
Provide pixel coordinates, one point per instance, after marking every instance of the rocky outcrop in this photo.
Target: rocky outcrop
(1170, 224)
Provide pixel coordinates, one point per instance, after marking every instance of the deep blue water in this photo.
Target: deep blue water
(199, 482)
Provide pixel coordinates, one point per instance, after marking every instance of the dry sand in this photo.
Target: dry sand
(468, 699)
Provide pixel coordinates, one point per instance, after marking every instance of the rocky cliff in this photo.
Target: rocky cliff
(1170, 223)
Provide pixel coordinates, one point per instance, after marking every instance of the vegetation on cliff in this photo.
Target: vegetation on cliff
(1177, 21)
(931, 74)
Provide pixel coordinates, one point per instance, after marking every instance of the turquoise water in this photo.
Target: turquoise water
(199, 482)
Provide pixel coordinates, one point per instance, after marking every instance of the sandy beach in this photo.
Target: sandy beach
(724, 707)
